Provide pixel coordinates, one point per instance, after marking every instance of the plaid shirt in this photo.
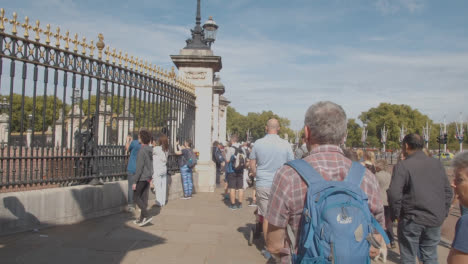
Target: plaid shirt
(288, 191)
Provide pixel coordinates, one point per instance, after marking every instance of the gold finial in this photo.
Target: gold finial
(120, 58)
(136, 63)
(38, 30)
(15, 23)
(141, 65)
(172, 73)
(76, 42)
(113, 54)
(26, 27)
(91, 48)
(2, 19)
(107, 52)
(146, 67)
(48, 33)
(84, 45)
(100, 45)
(67, 39)
(131, 62)
(126, 60)
(57, 37)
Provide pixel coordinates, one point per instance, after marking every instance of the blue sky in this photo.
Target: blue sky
(285, 55)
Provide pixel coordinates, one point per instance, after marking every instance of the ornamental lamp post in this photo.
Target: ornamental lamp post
(402, 133)
(202, 37)
(364, 135)
(426, 134)
(383, 134)
(4, 105)
(460, 133)
(210, 28)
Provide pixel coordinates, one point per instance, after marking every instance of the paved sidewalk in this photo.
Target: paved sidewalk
(200, 230)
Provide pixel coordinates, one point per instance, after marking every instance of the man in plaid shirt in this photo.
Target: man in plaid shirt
(325, 129)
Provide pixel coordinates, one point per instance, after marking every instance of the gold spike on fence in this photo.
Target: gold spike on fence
(105, 54)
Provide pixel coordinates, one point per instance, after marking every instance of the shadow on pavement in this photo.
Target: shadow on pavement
(107, 239)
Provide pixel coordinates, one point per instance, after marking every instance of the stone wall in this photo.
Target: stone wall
(27, 210)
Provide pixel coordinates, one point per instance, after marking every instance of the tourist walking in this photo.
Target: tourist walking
(132, 147)
(187, 161)
(325, 131)
(459, 252)
(301, 150)
(384, 177)
(218, 159)
(143, 174)
(160, 154)
(235, 162)
(420, 197)
(268, 155)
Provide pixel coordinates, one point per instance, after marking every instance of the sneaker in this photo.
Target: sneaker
(185, 197)
(145, 221)
(137, 222)
(130, 209)
(239, 206)
(252, 204)
(233, 207)
(392, 244)
(226, 197)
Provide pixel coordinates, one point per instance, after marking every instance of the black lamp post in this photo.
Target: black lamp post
(4, 105)
(202, 38)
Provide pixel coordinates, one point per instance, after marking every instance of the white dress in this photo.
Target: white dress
(160, 174)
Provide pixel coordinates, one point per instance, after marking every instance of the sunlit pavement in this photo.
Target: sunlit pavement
(200, 230)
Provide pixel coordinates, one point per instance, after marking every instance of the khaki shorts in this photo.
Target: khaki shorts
(263, 196)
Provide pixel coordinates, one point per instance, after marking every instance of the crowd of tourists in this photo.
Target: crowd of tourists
(321, 203)
(147, 170)
(310, 200)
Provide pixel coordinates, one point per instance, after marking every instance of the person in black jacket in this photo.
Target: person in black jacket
(143, 176)
(419, 196)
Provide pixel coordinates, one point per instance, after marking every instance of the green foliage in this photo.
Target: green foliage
(393, 116)
(255, 123)
(147, 114)
(354, 134)
(38, 111)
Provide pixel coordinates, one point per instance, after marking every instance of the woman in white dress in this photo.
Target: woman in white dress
(160, 153)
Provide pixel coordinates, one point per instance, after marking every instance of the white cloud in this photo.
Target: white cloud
(388, 7)
(265, 74)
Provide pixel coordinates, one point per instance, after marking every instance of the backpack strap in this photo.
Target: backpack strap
(355, 174)
(381, 231)
(306, 171)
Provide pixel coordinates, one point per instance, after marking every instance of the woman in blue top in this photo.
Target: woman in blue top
(459, 252)
(184, 152)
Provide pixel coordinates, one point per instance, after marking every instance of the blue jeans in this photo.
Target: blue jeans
(130, 190)
(463, 210)
(186, 173)
(414, 238)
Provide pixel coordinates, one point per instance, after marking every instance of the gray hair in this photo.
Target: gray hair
(460, 161)
(327, 123)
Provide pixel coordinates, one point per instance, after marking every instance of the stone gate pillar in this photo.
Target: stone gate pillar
(198, 66)
(223, 104)
(218, 90)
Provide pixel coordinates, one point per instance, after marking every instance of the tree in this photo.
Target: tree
(41, 121)
(353, 139)
(255, 123)
(393, 116)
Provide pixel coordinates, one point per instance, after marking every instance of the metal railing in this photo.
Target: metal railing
(65, 114)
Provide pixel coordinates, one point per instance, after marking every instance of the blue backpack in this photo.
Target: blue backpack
(336, 223)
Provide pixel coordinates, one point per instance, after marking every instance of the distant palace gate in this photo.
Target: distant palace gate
(68, 105)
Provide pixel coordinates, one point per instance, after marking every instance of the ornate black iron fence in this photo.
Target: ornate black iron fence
(66, 114)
